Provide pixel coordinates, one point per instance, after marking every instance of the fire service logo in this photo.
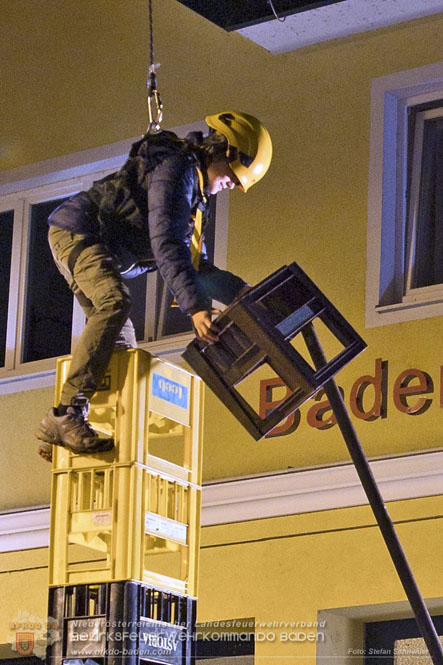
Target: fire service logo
(30, 634)
(24, 643)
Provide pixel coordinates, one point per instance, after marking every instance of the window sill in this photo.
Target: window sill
(425, 295)
(420, 297)
(19, 380)
(407, 304)
(408, 310)
(170, 348)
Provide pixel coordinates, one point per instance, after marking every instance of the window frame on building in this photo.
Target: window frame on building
(390, 295)
(58, 178)
(421, 234)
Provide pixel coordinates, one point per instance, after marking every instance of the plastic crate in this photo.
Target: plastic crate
(145, 404)
(124, 522)
(121, 623)
(132, 513)
(264, 331)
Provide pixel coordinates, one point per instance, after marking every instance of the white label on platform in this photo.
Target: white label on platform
(165, 527)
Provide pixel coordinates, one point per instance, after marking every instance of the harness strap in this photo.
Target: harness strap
(197, 234)
(196, 240)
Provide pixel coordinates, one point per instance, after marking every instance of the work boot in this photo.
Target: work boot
(72, 431)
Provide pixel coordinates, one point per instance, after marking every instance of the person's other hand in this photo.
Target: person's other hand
(202, 323)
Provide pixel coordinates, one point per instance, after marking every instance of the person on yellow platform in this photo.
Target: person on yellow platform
(144, 217)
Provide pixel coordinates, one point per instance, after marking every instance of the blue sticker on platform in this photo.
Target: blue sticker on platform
(170, 391)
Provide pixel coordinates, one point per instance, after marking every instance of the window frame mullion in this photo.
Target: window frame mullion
(32, 197)
(414, 203)
(15, 279)
(413, 293)
(152, 280)
(24, 270)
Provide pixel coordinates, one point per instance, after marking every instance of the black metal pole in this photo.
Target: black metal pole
(375, 499)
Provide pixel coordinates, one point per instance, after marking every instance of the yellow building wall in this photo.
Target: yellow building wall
(286, 570)
(24, 592)
(281, 572)
(24, 477)
(75, 79)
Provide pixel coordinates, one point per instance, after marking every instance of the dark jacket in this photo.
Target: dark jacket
(143, 213)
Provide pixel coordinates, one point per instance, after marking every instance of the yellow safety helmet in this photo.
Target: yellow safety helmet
(250, 146)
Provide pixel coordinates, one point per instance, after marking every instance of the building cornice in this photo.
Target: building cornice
(278, 494)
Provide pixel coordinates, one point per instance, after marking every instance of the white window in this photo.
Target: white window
(39, 318)
(405, 207)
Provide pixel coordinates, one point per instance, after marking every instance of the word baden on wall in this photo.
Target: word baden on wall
(368, 398)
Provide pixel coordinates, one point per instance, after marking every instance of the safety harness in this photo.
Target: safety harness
(196, 239)
(197, 234)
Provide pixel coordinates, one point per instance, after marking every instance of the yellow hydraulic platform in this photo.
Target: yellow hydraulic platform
(132, 513)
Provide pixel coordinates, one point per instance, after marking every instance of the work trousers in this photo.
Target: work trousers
(106, 302)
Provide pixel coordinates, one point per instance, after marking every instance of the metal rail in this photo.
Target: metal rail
(375, 499)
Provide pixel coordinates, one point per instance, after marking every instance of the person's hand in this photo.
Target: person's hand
(202, 323)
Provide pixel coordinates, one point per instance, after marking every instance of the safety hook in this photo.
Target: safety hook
(155, 104)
